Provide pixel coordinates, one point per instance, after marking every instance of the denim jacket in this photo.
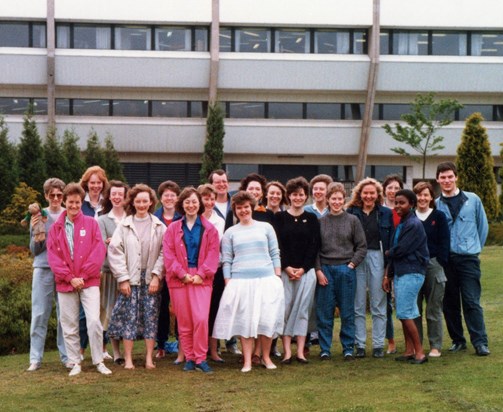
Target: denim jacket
(469, 230)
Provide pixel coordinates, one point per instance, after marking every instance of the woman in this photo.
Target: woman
(191, 254)
(438, 237)
(343, 248)
(391, 185)
(298, 237)
(135, 257)
(377, 223)
(168, 193)
(208, 196)
(408, 259)
(75, 252)
(318, 187)
(252, 304)
(42, 290)
(275, 196)
(114, 213)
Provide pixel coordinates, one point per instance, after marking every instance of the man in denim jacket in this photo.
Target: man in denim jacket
(468, 225)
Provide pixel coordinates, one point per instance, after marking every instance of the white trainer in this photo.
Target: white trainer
(75, 370)
(107, 356)
(103, 369)
(33, 367)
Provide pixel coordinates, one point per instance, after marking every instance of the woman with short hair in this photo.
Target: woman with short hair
(276, 199)
(318, 189)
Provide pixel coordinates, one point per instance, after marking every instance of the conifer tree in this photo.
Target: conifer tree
(501, 177)
(113, 166)
(94, 155)
(8, 165)
(73, 156)
(213, 154)
(55, 160)
(31, 159)
(17, 207)
(475, 164)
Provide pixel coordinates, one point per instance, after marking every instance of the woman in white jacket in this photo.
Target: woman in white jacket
(136, 260)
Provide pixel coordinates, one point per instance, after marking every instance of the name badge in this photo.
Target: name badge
(82, 232)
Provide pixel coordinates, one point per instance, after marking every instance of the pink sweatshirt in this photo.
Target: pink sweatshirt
(88, 252)
(175, 254)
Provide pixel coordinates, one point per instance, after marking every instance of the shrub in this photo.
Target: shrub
(495, 236)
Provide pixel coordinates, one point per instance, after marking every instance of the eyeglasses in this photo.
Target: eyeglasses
(55, 195)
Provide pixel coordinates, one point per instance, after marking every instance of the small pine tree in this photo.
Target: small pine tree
(94, 152)
(18, 206)
(8, 165)
(501, 176)
(213, 154)
(73, 156)
(55, 160)
(113, 166)
(475, 164)
(31, 155)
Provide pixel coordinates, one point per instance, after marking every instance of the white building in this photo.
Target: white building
(296, 78)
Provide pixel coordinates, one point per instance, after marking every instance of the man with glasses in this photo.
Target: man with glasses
(43, 287)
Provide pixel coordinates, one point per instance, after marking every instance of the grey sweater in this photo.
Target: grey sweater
(342, 240)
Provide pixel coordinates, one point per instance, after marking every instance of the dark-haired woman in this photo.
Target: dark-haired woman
(191, 255)
(135, 257)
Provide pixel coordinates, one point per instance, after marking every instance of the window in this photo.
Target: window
(88, 107)
(352, 111)
(285, 111)
(251, 110)
(198, 109)
(39, 106)
(13, 105)
(201, 39)
(498, 113)
(410, 43)
(92, 37)
(332, 42)
(136, 108)
(449, 44)
(38, 37)
(393, 111)
(359, 42)
(225, 40)
(133, 38)
(253, 40)
(292, 41)
(485, 109)
(14, 35)
(172, 39)
(168, 108)
(63, 107)
(63, 36)
(384, 38)
(329, 111)
(487, 44)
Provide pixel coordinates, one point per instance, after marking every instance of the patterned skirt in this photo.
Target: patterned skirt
(136, 315)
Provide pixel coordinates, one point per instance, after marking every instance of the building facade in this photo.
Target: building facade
(306, 86)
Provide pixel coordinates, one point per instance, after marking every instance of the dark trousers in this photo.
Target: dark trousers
(463, 290)
(164, 321)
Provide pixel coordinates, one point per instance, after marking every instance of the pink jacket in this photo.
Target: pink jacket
(175, 254)
(88, 252)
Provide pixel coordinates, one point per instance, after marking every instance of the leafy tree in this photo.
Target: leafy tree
(213, 154)
(31, 160)
(475, 164)
(113, 166)
(17, 207)
(94, 155)
(55, 160)
(8, 165)
(73, 156)
(426, 117)
(501, 176)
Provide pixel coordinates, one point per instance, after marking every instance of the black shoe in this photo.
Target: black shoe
(456, 347)
(286, 361)
(360, 353)
(405, 358)
(378, 353)
(418, 361)
(482, 350)
(324, 356)
(348, 357)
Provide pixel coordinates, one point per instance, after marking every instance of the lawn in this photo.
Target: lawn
(454, 382)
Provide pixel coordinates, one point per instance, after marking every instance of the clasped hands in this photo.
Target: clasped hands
(192, 279)
(294, 273)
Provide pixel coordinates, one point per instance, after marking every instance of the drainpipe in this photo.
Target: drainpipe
(51, 45)
(214, 51)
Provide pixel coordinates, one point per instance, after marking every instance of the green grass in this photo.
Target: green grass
(454, 382)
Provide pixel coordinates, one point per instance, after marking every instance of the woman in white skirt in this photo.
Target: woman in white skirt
(252, 305)
(298, 235)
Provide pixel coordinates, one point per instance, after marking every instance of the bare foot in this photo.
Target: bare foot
(150, 366)
(130, 367)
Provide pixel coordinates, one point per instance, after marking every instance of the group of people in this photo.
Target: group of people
(258, 265)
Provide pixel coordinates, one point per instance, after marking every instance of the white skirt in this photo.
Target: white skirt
(251, 307)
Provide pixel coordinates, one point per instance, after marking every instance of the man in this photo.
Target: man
(468, 225)
(218, 178)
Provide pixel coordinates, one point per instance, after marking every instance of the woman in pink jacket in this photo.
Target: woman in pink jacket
(191, 253)
(75, 252)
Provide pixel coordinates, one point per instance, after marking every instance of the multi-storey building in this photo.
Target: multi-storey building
(306, 85)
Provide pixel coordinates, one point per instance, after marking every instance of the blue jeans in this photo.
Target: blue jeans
(463, 288)
(42, 295)
(339, 292)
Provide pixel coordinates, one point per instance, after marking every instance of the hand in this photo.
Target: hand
(77, 283)
(386, 284)
(125, 288)
(187, 279)
(298, 272)
(322, 279)
(107, 241)
(197, 280)
(153, 287)
(226, 281)
(35, 219)
(351, 265)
